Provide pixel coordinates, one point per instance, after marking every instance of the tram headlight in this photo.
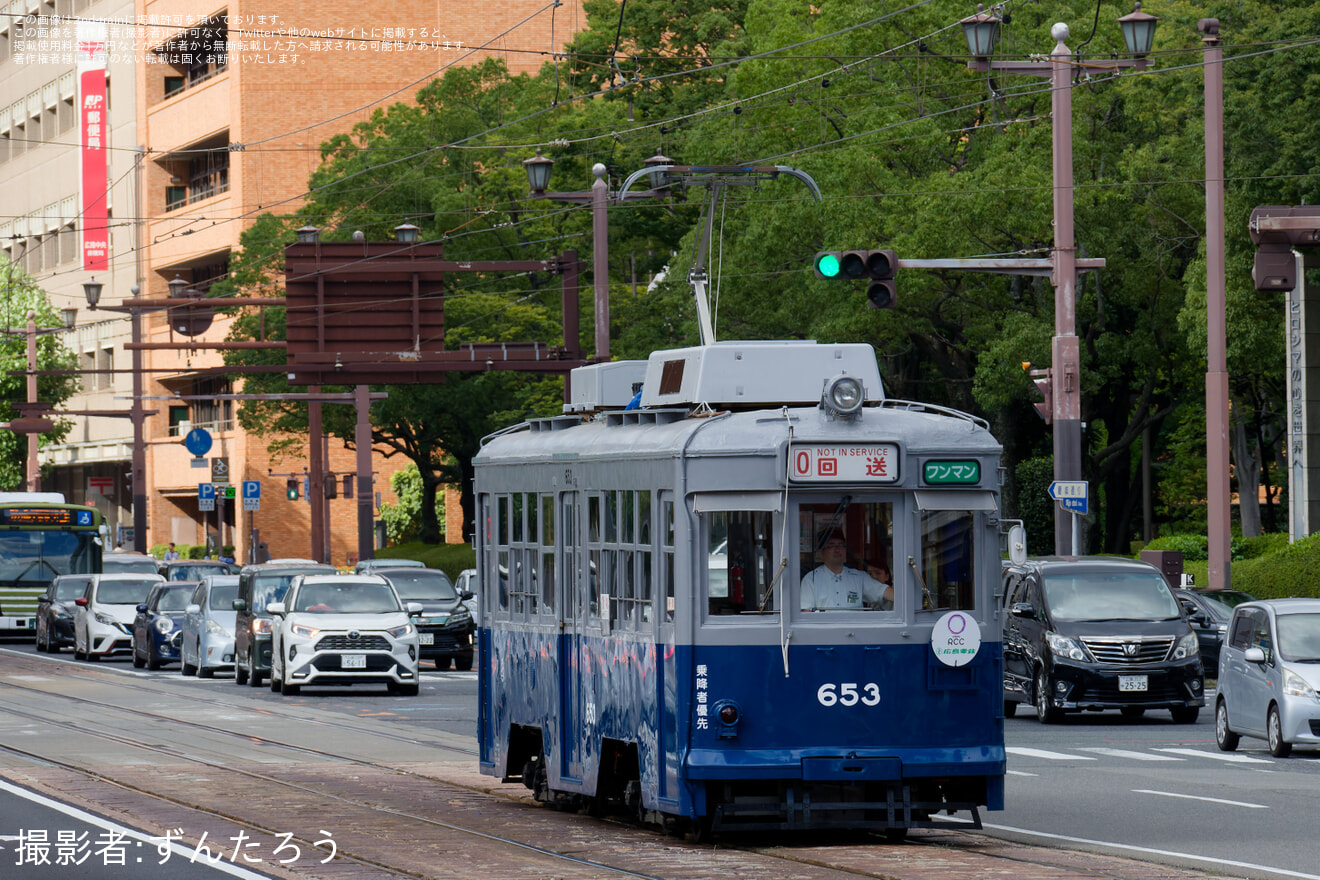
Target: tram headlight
(843, 395)
(1067, 648)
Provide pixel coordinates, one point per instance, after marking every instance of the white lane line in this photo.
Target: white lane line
(1231, 757)
(1193, 797)
(1123, 753)
(1048, 756)
(1019, 773)
(1126, 847)
(175, 847)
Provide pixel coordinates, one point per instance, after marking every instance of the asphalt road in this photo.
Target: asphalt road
(1137, 788)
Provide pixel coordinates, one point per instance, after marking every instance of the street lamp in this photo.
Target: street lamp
(599, 197)
(981, 31)
(406, 233)
(92, 292)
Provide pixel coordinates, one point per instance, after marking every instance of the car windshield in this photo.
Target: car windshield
(68, 590)
(422, 585)
(1230, 598)
(196, 572)
(269, 588)
(346, 598)
(112, 564)
(1219, 609)
(123, 592)
(223, 596)
(1299, 637)
(174, 600)
(1102, 595)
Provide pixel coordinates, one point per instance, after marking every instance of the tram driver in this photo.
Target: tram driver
(833, 585)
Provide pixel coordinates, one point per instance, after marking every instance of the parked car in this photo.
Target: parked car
(55, 611)
(258, 586)
(467, 584)
(103, 623)
(194, 569)
(159, 624)
(1231, 598)
(1096, 633)
(370, 566)
(445, 629)
(1209, 620)
(344, 630)
(121, 562)
(1269, 676)
(208, 626)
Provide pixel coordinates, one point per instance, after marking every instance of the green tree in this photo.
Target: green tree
(403, 521)
(22, 295)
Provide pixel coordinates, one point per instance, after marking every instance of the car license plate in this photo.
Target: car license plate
(426, 638)
(1128, 683)
(353, 661)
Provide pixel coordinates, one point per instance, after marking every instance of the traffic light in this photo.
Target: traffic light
(1045, 384)
(878, 266)
(331, 483)
(291, 488)
(1276, 230)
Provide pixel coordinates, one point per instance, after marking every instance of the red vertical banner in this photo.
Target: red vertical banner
(93, 122)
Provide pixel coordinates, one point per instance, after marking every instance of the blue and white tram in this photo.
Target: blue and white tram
(764, 598)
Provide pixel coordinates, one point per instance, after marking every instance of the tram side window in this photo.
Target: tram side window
(594, 560)
(667, 552)
(626, 558)
(948, 559)
(738, 563)
(845, 556)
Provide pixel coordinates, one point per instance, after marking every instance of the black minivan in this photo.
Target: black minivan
(1091, 633)
(258, 586)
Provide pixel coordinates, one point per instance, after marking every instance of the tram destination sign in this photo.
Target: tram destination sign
(843, 463)
(44, 516)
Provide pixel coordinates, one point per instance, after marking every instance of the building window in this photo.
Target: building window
(207, 175)
(67, 118)
(68, 243)
(213, 415)
(179, 424)
(197, 55)
(105, 363)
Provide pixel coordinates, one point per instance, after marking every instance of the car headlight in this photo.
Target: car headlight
(261, 625)
(217, 629)
(61, 611)
(1295, 686)
(462, 615)
(400, 632)
(102, 617)
(164, 625)
(1067, 647)
(1187, 647)
(302, 630)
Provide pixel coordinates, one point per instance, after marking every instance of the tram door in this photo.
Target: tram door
(573, 613)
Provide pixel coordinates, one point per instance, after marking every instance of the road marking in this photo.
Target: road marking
(1135, 756)
(1127, 847)
(1193, 797)
(1048, 756)
(1216, 756)
(1019, 773)
(177, 848)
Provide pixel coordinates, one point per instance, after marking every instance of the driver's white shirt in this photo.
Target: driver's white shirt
(850, 588)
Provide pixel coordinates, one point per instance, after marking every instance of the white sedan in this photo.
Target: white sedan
(103, 623)
(342, 630)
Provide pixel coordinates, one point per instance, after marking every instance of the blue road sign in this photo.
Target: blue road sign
(1072, 494)
(198, 442)
(206, 491)
(251, 489)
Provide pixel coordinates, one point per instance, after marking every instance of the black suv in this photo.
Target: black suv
(445, 627)
(55, 610)
(258, 586)
(1094, 633)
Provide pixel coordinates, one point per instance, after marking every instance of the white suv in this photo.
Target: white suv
(103, 623)
(340, 630)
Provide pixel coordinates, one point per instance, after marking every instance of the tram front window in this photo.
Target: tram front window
(739, 568)
(845, 556)
(948, 560)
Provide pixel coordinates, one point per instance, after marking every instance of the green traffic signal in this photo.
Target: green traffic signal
(827, 265)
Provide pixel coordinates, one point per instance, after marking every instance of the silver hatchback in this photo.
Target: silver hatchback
(1269, 675)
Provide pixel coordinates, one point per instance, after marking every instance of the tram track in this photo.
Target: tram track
(483, 833)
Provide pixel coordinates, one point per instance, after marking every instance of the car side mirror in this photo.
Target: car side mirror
(239, 605)
(81, 601)
(1199, 620)
(142, 609)
(414, 609)
(275, 608)
(193, 609)
(1023, 609)
(466, 595)
(1254, 655)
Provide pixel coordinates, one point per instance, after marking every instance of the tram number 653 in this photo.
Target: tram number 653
(847, 694)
